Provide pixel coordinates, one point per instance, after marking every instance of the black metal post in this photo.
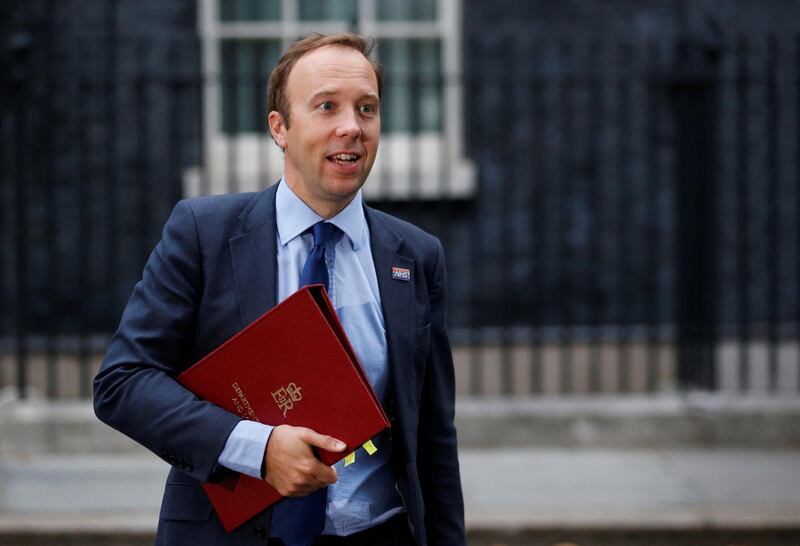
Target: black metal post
(693, 94)
(20, 45)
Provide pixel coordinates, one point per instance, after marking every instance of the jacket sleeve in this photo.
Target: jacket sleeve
(135, 391)
(438, 457)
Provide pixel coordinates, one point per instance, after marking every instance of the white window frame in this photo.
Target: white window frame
(251, 161)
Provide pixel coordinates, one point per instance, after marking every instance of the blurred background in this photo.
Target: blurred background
(617, 187)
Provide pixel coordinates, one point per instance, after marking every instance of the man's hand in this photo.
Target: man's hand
(291, 466)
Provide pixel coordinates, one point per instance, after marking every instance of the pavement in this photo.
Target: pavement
(504, 488)
(509, 490)
(513, 488)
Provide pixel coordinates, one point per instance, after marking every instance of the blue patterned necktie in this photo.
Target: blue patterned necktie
(298, 521)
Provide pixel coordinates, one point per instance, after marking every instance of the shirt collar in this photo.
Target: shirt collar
(294, 217)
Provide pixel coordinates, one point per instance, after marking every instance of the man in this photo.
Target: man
(225, 260)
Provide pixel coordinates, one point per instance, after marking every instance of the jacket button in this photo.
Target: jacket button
(260, 532)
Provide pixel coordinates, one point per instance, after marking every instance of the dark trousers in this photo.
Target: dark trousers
(393, 532)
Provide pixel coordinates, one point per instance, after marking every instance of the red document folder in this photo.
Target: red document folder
(293, 365)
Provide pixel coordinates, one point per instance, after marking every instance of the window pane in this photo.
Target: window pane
(329, 10)
(408, 10)
(249, 10)
(246, 65)
(412, 93)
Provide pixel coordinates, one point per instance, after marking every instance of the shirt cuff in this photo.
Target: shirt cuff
(245, 447)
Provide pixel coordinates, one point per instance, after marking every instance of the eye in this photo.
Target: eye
(326, 106)
(368, 109)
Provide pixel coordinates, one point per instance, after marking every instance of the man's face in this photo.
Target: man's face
(334, 127)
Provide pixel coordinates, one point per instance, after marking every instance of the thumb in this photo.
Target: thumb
(324, 441)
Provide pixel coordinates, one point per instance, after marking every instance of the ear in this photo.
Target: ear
(277, 128)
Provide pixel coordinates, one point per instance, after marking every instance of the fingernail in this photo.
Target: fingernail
(340, 445)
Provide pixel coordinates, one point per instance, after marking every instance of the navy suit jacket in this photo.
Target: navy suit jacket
(214, 272)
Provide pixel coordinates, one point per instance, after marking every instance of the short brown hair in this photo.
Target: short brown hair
(276, 87)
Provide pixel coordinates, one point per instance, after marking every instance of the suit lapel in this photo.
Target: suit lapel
(254, 256)
(397, 302)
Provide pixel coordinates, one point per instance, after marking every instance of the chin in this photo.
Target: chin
(345, 188)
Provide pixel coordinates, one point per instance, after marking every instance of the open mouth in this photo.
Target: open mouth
(344, 159)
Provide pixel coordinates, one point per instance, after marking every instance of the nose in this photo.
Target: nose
(348, 126)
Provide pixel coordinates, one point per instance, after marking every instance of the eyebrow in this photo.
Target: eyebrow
(332, 92)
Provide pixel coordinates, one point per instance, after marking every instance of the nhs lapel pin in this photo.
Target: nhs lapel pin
(401, 274)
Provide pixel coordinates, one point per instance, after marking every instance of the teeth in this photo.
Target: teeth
(346, 157)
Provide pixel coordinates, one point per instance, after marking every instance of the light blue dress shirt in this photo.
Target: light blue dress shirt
(365, 493)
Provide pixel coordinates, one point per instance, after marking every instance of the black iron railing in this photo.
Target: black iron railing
(633, 224)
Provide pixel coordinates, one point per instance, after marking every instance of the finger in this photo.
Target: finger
(326, 475)
(312, 484)
(296, 487)
(302, 491)
(323, 441)
(308, 485)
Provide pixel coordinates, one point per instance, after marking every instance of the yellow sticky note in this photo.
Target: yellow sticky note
(370, 447)
(350, 459)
